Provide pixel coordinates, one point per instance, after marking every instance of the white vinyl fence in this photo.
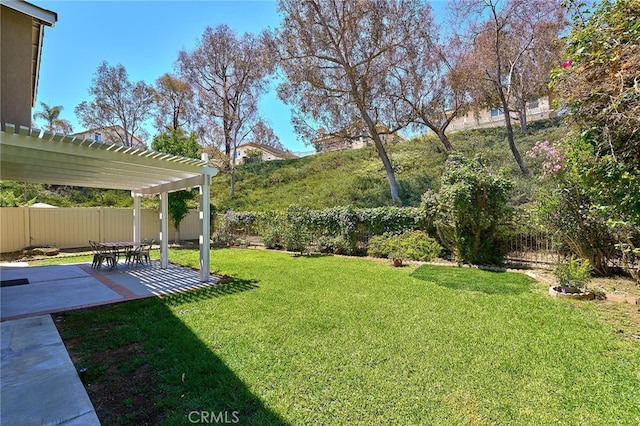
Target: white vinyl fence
(65, 228)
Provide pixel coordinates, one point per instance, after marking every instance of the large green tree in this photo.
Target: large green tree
(175, 142)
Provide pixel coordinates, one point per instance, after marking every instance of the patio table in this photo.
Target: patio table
(120, 247)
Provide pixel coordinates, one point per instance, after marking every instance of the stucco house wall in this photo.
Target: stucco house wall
(539, 109)
(21, 34)
(107, 135)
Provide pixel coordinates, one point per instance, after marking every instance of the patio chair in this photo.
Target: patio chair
(130, 254)
(141, 254)
(96, 254)
(101, 255)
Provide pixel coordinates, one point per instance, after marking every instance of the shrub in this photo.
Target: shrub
(574, 273)
(325, 244)
(273, 235)
(221, 238)
(598, 84)
(566, 209)
(470, 212)
(377, 246)
(417, 245)
(298, 227)
(414, 245)
(342, 245)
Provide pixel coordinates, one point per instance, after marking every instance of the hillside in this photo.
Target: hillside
(357, 177)
(333, 179)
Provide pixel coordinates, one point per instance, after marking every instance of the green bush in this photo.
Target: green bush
(417, 245)
(342, 245)
(574, 273)
(270, 226)
(273, 235)
(298, 228)
(471, 210)
(325, 244)
(414, 245)
(377, 246)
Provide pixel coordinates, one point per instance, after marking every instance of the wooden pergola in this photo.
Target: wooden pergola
(28, 155)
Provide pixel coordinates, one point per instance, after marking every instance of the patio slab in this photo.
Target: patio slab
(40, 385)
(41, 273)
(52, 289)
(151, 280)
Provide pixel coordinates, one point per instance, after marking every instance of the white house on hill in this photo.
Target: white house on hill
(246, 152)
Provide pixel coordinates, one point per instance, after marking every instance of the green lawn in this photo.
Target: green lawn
(330, 340)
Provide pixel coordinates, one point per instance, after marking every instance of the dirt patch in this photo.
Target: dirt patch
(614, 285)
(614, 305)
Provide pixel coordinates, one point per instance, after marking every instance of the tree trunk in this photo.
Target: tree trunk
(232, 189)
(177, 235)
(232, 163)
(512, 144)
(382, 153)
(445, 140)
(439, 130)
(523, 118)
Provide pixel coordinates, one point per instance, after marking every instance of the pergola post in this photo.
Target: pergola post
(164, 230)
(205, 224)
(137, 220)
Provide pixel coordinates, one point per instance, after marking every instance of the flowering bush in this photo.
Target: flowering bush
(553, 156)
(596, 203)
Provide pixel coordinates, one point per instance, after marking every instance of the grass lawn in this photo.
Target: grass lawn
(331, 340)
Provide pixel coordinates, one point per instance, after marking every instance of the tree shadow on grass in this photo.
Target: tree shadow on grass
(471, 279)
(144, 365)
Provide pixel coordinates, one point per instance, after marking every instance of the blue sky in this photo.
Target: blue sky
(145, 37)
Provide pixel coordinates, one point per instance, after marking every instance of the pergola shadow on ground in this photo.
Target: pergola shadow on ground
(56, 288)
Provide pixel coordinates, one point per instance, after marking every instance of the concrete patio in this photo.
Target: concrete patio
(39, 383)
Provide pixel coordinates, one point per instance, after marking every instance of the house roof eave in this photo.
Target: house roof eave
(45, 16)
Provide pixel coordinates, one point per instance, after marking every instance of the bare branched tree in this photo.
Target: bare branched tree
(428, 83)
(117, 103)
(514, 49)
(175, 103)
(228, 74)
(337, 56)
(263, 134)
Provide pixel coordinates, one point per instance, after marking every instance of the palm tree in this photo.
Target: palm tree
(51, 115)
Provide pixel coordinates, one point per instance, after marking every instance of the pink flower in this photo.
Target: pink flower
(567, 64)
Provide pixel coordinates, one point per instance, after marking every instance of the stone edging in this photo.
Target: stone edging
(613, 297)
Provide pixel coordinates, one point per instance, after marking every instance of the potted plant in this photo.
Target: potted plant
(573, 278)
(397, 251)
(397, 256)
